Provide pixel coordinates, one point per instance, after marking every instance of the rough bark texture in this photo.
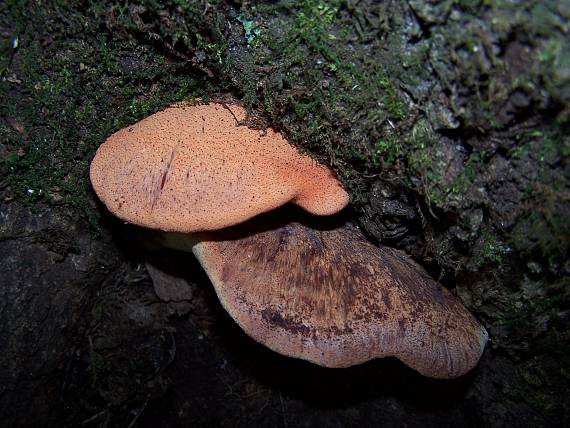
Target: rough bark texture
(446, 120)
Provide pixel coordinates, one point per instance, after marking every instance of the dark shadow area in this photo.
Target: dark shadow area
(334, 388)
(214, 370)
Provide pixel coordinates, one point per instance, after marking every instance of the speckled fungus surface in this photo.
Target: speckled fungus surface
(333, 298)
(192, 168)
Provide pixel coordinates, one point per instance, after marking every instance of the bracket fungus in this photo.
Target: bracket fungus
(174, 169)
(323, 294)
(329, 296)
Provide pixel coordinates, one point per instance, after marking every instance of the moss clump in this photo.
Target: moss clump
(304, 64)
(491, 249)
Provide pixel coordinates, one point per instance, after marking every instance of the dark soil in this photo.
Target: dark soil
(447, 121)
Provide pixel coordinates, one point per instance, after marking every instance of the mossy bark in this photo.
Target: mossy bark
(447, 121)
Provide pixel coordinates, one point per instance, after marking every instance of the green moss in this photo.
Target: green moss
(471, 170)
(310, 28)
(302, 107)
(425, 161)
(396, 108)
(422, 161)
(387, 151)
(328, 86)
(493, 249)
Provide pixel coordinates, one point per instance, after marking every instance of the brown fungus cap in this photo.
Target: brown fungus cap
(333, 298)
(192, 168)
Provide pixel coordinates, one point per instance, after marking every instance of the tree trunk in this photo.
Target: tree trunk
(448, 123)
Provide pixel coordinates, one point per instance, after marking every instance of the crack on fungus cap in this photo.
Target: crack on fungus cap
(193, 168)
(329, 296)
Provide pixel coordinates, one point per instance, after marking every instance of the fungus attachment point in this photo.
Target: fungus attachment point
(191, 168)
(333, 298)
